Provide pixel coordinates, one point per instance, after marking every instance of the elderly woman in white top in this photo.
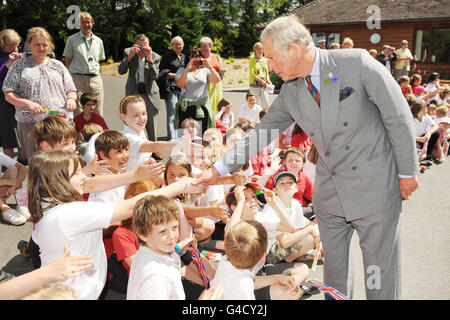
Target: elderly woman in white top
(194, 101)
(38, 85)
(214, 88)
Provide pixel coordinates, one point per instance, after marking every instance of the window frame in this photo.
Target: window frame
(430, 49)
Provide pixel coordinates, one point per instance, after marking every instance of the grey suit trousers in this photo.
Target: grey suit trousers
(379, 239)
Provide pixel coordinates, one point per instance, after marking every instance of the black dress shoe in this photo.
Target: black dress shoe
(437, 161)
(426, 163)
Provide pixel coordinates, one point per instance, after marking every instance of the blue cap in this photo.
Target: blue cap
(282, 174)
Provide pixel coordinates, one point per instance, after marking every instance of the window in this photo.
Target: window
(432, 45)
(328, 37)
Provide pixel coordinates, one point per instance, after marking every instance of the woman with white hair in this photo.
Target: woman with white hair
(169, 91)
(9, 41)
(214, 89)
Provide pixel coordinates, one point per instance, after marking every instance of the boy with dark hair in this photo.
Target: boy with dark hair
(112, 147)
(88, 103)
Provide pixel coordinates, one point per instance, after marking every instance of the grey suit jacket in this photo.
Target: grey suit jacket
(151, 72)
(364, 141)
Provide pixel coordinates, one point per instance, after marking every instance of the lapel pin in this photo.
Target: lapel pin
(332, 78)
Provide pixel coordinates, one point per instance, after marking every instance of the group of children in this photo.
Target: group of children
(147, 229)
(429, 106)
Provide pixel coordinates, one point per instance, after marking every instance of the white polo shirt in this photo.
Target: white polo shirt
(155, 276)
(136, 141)
(237, 283)
(251, 114)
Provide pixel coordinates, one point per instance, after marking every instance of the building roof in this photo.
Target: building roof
(340, 12)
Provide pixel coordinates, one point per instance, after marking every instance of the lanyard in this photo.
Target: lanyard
(88, 47)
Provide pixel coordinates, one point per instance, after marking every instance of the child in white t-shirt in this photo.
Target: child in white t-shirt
(133, 113)
(113, 147)
(61, 216)
(244, 203)
(156, 270)
(245, 247)
(292, 245)
(249, 111)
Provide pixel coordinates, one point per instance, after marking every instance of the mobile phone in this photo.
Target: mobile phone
(197, 63)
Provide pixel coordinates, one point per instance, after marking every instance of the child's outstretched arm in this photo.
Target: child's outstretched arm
(124, 209)
(186, 147)
(59, 270)
(236, 216)
(149, 170)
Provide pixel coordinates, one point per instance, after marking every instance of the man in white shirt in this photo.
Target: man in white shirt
(249, 111)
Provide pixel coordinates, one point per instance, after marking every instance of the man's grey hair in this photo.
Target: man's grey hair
(206, 40)
(286, 30)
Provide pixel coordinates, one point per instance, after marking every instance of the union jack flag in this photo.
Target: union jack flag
(197, 258)
(333, 293)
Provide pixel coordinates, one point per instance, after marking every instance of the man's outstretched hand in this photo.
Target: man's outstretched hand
(207, 176)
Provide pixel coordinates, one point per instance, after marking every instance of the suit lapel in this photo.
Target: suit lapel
(329, 96)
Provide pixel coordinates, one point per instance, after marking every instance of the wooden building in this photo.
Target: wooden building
(425, 24)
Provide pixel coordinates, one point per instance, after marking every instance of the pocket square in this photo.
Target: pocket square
(345, 93)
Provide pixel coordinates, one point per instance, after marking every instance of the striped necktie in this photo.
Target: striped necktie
(313, 90)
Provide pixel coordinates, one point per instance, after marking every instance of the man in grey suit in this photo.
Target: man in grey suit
(363, 130)
(142, 64)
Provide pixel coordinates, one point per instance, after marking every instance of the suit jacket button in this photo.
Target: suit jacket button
(327, 153)
(347, 148)
(345, 124)
(311, 134)
(333, 173)
(354, 168)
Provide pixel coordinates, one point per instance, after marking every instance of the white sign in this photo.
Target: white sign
(73, 22)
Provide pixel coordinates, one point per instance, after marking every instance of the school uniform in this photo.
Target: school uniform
(155, 276)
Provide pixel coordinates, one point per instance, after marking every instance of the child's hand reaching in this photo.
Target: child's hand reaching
(269, 195)
(150, 170)
(96, 167)
(194, 189)
(239, 193)
(239, 179)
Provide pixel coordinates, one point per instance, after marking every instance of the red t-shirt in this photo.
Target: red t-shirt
(301, 141)
(305, 188)
(95, 118)
(125, 244)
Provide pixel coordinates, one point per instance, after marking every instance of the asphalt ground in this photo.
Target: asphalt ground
(425, 221)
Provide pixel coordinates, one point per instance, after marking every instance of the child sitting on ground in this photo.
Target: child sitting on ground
(113, 148)
(244, 203)
(156, 270)
(245, 247)
(88, 104)
(62, 217)
(292, 245)
(10, 181)
(294, 159)
(88, 131)
(403, 81)
(224, 117)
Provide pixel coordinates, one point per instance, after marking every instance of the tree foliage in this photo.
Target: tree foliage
(232, 24)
